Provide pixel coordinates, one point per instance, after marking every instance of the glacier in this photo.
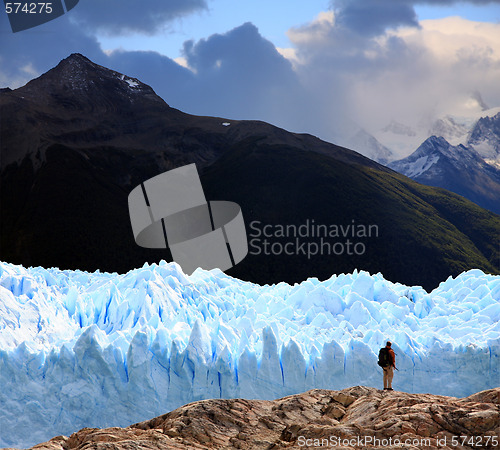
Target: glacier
(82, 349)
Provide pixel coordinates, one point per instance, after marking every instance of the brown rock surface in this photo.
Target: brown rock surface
(354, 418)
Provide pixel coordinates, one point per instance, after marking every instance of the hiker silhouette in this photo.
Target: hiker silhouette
(387, 360)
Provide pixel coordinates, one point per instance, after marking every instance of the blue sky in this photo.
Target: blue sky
(272, 18)
(315, 66)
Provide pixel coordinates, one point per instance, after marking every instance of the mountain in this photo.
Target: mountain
(457, 168)
(352, 418)
(367, 145)
(477, 129)
(78, 139)
(400, 138)
(485, 139)
(450, 128)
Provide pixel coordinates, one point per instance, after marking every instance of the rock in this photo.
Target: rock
(354, 418)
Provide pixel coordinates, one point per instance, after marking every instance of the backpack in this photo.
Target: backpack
(384, 359)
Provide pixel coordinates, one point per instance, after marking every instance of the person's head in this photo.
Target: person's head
(388, 344)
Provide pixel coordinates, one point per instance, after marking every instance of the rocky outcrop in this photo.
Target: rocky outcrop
(354, 418)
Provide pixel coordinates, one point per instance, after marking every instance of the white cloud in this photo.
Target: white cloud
(315, 32)
(182, 62)
(289, 53)
(408, 73)
(453, 37)
(29, 70)
(463, 57)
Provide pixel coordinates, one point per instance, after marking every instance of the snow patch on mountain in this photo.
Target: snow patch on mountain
(431, 156)
(421, 165)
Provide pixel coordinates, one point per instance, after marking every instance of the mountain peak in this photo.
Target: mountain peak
(485, 138)
(77, 61)
(77, 76)
(437, 140)
(457, 168)
(77, 57)
(438, 146)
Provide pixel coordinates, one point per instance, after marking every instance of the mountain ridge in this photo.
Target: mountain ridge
(403, 138)
(484, 137)
(68, 165)
(459, 169)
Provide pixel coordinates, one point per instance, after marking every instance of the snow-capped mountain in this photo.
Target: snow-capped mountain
(400, 138)
(459, 169)
(485, 139)
(451, 128)
(366, 144)
(478, 129)
(82, 349)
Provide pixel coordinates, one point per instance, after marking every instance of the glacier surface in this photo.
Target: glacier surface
(84, 349)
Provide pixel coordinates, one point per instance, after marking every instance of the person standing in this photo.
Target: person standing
(389, 369)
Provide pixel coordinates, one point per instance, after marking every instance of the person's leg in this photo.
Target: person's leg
(390, 375)
(385, 378)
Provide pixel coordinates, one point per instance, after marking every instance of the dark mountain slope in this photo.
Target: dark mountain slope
(424, 234)
(75, 141)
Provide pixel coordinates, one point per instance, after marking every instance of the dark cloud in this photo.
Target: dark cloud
(373, 17)
(171, 81)
(125, 16)
(29, 53)
(452, 2)
(240, 74)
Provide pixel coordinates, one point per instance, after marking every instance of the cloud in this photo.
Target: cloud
(374, 17)
(406, 73)
(464, 56)
(371, 18)
(41, 48)
(118, 17)
(30, 53)
(169, 79)
(240, 74)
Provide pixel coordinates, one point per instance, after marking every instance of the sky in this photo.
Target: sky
(315, 66)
